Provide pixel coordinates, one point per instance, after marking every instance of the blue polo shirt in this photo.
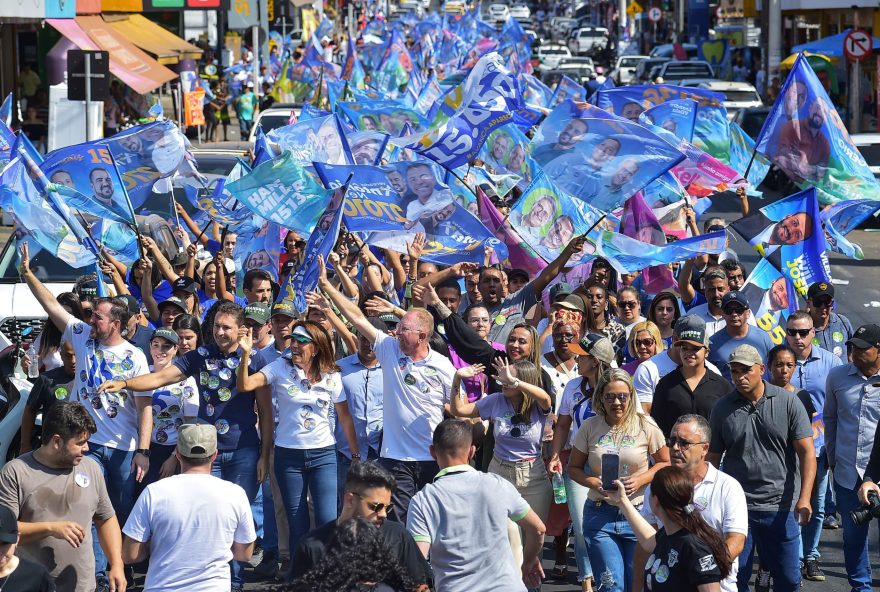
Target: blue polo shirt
(362, 388)
(220, 403)
(811, 375)
(834, 336)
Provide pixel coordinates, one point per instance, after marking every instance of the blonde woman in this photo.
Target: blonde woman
(644, 341)
(617, 428)
(518, 413)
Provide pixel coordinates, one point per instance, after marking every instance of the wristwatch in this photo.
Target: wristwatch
(144, 451)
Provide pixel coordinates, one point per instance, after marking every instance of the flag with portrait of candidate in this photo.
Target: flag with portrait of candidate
(840, 218)
(385, 116)
(628, 255)
(629, 102)
(788, 233)
(506, 150)
(312, 140)
(806, 139)
(567, 89)
(772, 297)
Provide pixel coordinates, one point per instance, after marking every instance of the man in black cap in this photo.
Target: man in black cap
(256, 318)
(737, 331)
(19, 574)
(832, 330)
(135, 333)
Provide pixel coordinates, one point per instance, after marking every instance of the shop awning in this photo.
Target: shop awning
(128, 63)
(154, 39)
(829, 46)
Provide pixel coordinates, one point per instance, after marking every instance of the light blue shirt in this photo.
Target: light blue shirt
(810, 375)
(362, 388)
(852, 411)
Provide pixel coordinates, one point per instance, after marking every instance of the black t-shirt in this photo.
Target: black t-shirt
(674, 398)
(50, 387)
(680, 562)
(141, 340)
(314, 545)
(28, 577)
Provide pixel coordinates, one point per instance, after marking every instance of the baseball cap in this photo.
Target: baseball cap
(691, 329)
(283, 307)
(180, 259)
(87, 290)
(175, 301)
(166, 334)
(595, 345)
(715, 274)
(390, 320)
(745, 354)
(300, 331)
(572, 302)
(735, 296)
(131, 303)
(866, 336)
(257, 311)
(197, 440)
(820, 289)
(8, 526)
(250, 84)
(185, 284)
(560, 289)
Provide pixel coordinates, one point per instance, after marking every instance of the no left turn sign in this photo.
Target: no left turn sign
(857, 45)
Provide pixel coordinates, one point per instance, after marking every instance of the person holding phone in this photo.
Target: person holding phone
(618, 442)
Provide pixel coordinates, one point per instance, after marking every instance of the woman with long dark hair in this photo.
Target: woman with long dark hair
(48, 342)
(664, 311)
(359, 561)
(189, 331)
(687, 555)
(305, 384)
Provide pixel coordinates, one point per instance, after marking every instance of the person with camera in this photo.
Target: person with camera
(851, 413)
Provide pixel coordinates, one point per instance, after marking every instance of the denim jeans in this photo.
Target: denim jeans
(239, 467)
(343, 463)
(610, 546)
(577, 497)
(855, 540)
(257, 513)
(812, 531)
(270, 529)
(301, 472)
(777, 536)
(411, 476)
(120, 480)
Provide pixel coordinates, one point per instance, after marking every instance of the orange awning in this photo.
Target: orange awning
(128, 63)
(154, 39)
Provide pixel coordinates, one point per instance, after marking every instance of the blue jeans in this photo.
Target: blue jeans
(577, 496)
(411, 477)
(245, 126)
(777, 536)
(610, 545)
(239, 467)
(270, 528)
(855, 540)
(257, 513)
(343, 463)
(303, 471)
(120, 480)
(812, 532)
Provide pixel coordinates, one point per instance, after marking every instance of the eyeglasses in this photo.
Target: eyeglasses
(735, 310)
(823, 302)
(375, 506)
(612, 398)
(627, 304)
(798, 332)
(645, 342)
(407, 330)
(672, 442)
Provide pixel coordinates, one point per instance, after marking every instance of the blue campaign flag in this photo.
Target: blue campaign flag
(601, 161)
(506, 150)
(309, 111)
(313, 140)
(365, 147)
(281, 190)
(118, 239)
(395, 202)
(429, 95)
(260, 248)
(676, 118)
(789, 234)
(262, 150)
(742, 149)
(535, 92)
(840, 218)
(352, 70)
(384, 116)
(6, 111)
(628, 255)
(629, 101)
(805, 138)
(567, 89)
(772, 297)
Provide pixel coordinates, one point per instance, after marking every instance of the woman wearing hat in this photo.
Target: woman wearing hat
(304, 384)
(617, 429)
(595, 354)
(173, 406)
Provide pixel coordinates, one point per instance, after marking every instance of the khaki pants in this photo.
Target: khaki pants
(531, 481)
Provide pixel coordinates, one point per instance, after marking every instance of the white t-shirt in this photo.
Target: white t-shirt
(413, 397)
(722, 504)
(191, 522)
(577, 406)
(172, 405)
(115, 414)
(649, 373)
(304, 408)
(51, 361)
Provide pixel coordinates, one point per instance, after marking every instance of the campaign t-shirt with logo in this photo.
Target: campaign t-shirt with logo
(514, 440)
(115, 414)
(51, 386)
(680, 562)
(304, 408)
(172, 406)
(220, 403)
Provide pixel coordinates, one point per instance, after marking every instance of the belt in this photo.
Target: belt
(513, 463)
(600, 503)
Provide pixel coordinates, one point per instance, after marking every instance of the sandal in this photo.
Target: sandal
(560, 572)
(587, 585)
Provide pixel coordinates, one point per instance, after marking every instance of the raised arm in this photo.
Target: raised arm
(118, 265)
(245, 381)
(459, 403)
(318, 300)
(506, 378)
(191, 225)
(118, 283)
(147, 288)
(555, 268)
(345, 306)
(644, 531)
(145, 382)
(57, 313)
(159, 257)
(684, 282)
(345, 282)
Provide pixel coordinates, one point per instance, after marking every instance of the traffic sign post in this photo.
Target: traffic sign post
(88, 79)
(654, 14)
(857, 45)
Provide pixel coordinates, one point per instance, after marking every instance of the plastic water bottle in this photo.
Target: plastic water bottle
(34, 366)
(559, 495)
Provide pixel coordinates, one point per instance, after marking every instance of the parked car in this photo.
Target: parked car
(456, 7)
(587, 39)
(559, 27)
(674, 71)
(520, 11)
(551, 55)
(624, 71)
(751, 120)
(276, 116)
(667, 51)
(499, 12)
(738, 95)
(578, 68)
(869, 147)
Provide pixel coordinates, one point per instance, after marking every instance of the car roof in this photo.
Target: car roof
(866, 139)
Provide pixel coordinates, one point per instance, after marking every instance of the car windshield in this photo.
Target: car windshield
(871, 153)
(554, 51)
(272, 121)
(740, 96)
(753, 121)
(629, 62)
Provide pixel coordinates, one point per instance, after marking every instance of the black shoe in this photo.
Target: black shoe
(267, 569)
(812, 571)
(102, 587)
(763, 581)
(831, 522)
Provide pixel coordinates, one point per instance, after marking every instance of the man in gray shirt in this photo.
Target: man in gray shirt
(768, 439)
(437, 518)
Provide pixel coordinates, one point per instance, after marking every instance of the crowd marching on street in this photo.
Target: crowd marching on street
(443, 313)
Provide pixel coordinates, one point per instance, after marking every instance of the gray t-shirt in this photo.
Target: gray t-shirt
(37, 493)
(510, 312)
(757, 442)
(513, 441)
(463, 514)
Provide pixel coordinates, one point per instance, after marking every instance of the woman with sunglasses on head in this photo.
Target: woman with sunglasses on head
(594, 354)
(644, 341)
(477, 318)
(173, 406)
(687, 555)
(518, 413)
(304, 384)
(664, 312)
(617, 430)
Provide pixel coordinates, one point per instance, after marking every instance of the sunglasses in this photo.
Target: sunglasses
(613, 398)
(645, 342)
(672, 442)
(823, 302)
(375, 506)
(301, 339)
(798, 332)
(735, 310)
(627, 304)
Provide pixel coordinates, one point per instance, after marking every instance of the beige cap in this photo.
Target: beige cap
(197, 440)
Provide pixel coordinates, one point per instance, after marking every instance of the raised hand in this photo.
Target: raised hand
(470, 371)
(426, 294)
(504, 373)
(415, 248)
(245, 339)
(24, 258)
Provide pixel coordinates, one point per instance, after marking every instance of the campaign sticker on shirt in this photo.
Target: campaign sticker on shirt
(232, 363)
(323, 403)
(61, 393)
(306, 411)
(409, 379)
(656, 565)
(707, 563)
(177, 391)
(213, 382)
(402, 362)
(211, 364)
(82, 375)
(309, 424)
(161, 436)
(203, 378)
(82, 480)
(109, 357)
(500, 319)
(662, 574)
(209, 410)
(837, 336)
(222, 426)
(305, 384)
(331, 383)
(672, 558)
(203, 351)
(224, 394)
(700, 503)
(112, 412)
(293, 390)
(96, 403)
(225, 373)
(127, 364)
(77, 329)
